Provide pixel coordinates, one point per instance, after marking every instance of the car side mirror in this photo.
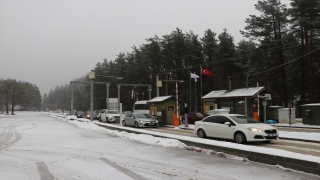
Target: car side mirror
(227, 123)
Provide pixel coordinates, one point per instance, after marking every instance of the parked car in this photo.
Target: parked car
(125, 113)
(193, 117)
(79, 114)
(236, 127)
(109, 116)
(139, 120)
(96, 114)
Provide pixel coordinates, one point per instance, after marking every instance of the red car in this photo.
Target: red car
(193, 117)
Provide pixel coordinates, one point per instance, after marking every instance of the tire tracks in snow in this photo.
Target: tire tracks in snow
(8, 137)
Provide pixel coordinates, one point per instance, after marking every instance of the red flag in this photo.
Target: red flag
(206, 72)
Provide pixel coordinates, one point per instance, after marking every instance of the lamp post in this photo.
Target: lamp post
(91, 77)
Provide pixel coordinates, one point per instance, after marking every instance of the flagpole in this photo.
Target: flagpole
(200, 88)
(195, 94)
(190, 92)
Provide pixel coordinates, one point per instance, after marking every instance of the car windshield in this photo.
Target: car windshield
(199, 114)
(112, 112)
(243, 119)
(142, 116)
(80, 112)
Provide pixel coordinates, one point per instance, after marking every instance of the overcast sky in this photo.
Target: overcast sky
(50, 43)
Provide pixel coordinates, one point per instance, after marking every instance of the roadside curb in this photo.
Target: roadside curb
(296, 164)
(302, 127)
(301, 140)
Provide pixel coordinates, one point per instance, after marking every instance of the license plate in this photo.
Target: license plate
(151, 123)
(273, 134)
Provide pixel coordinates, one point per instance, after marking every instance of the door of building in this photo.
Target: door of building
(170, 113)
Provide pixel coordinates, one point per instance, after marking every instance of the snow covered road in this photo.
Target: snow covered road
(36, 146)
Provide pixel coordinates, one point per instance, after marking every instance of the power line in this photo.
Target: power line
(284, 63)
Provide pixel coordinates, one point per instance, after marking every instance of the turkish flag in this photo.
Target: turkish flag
(206, 72)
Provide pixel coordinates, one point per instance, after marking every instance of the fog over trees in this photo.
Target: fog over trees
(281, 52)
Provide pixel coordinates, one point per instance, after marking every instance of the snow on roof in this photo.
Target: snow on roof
(159, 99)
(245, 92)
(141, 102)
(275, 106)
(313, 104)
(214, 94)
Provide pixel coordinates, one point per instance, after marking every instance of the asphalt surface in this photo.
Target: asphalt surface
(288, 144)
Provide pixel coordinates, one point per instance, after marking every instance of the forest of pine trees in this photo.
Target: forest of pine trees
(281, 51)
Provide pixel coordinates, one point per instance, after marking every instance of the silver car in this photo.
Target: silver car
(139, 120)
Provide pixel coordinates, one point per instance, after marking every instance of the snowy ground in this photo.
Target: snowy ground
(41, 146)
(146, 139)
(277, 152)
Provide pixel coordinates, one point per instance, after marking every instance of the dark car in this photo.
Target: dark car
(96, 114)
(79, 114)
(193, 117)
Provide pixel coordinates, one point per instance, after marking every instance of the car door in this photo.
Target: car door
(210, 126)
(103, 115)
(130, 119)
(223, 130)
(191, 118)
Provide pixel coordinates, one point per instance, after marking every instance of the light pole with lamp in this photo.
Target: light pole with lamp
(91, 77)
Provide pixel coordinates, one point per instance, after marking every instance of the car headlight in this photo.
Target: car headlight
(141, 121)
(253, 129)
(110, 117)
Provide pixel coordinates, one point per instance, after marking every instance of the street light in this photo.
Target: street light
(91, 77)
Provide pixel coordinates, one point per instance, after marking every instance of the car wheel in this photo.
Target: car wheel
(136, 125)
(107, 120)
(240, 138)
(124, 123)
(99, 119)
(201, 133)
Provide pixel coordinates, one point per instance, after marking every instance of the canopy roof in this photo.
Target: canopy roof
(159, 99)
(245, 92)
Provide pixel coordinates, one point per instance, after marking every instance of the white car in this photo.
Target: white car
(235, 127)
(109, 116)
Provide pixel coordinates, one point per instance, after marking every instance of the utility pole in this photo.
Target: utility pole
(91, 77)
(72, 98)
(107, 100)
(157, 79)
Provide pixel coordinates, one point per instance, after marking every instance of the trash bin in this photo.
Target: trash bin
(270, 121)
(308, 113)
